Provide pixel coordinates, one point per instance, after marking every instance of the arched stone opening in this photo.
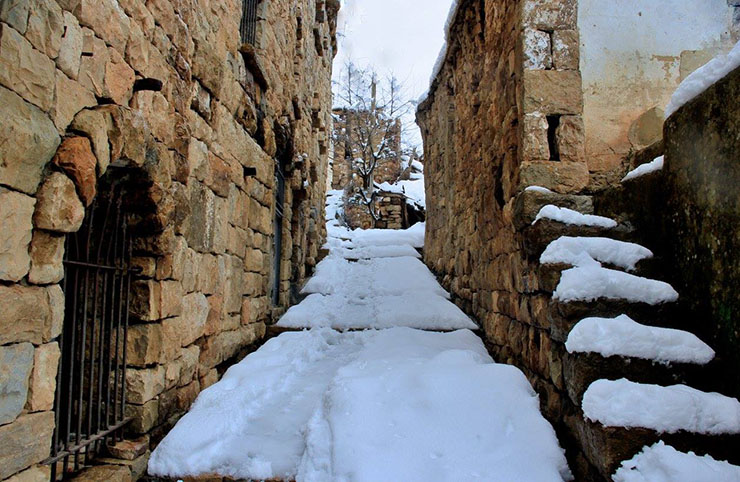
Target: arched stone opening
(98, 200)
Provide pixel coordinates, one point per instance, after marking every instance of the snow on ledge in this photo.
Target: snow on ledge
(703, 78)
(622, 336)
(663, 463)
(569, 216)
(582, 251)
(639, 171)
(539, 189)
(590, 283)
(622, 403)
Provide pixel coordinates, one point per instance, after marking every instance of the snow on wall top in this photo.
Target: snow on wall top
(703, 78)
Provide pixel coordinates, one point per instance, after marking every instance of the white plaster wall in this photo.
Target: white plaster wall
(630, 62)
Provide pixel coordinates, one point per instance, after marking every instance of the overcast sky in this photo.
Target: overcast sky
(402, 37)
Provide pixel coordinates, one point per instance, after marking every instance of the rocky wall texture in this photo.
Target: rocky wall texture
(503, 114)
(165, 90)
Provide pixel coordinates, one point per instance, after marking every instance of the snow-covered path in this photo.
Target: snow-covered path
(394, 402)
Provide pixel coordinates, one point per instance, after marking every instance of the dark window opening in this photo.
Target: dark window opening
(248, 26)
(90, 402)
(277, 241)
(553, 122)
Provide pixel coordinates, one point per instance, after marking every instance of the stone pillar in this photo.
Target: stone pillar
(552, 153)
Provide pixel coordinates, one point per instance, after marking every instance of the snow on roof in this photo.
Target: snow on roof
(592, 282)
(623, 336)
(622, 403)
(443, 51)
(663, 463)
(703, 78)
(569, 216)
(653, 166)
(582, 251)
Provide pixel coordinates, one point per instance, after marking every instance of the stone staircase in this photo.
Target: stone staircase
(591, 372)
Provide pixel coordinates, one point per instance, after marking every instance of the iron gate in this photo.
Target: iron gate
(278, 229)
(248, 25)
(91, 384)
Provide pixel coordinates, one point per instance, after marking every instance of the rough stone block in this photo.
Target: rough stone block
(105, 473)
(551, 14)
(16, 362)
(38, 473)
(194, 318)
(144, 384)
(529, 203)
(26, 441)
(76, 158)
(566, 50)
(537, 50)
(30, 314)
(16, 212)
(571, 139)
(70, 50)
(33, 141)
(152, 343)
(562, 177)
(75, 98)
(25, 70)
(45, 27)
(129, 449)
(535, 146)
(58, 207)
(15, 14)
(92, 64)
(107, 19)
(200, 232)
(144, 416)
(43, 378)
(553, 92)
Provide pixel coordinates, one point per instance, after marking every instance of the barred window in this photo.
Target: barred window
(248, 26)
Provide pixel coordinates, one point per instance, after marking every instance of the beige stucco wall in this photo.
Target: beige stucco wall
(634, 53)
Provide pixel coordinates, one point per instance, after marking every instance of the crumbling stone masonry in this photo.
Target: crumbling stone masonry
(505, 112)
(166, 92)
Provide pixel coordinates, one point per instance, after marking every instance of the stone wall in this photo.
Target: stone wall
(504, 113)
(164, 89)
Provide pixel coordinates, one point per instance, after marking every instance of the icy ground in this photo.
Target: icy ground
(374, 405)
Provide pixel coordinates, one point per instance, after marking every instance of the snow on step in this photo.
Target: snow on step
(422, 310)
(569, 216)
(582, 251)
(623, 336)
(589, 283)
(653, 166)
(254, 423)
(622, 403)
(396, 413)
(392, 251)
(372, 277)
(663, 463)
(413, 236)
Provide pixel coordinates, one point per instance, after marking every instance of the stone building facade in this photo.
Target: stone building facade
(214, 147)
(506, 112)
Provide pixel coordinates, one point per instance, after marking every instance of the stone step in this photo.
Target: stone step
(580, 370)
(565, 315)
(607, 447)
(543, 232)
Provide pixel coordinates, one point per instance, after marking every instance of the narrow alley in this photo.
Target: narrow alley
(420, 399)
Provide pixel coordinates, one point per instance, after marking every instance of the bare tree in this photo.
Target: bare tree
(372, 109)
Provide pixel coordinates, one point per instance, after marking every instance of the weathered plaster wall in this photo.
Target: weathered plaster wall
(634, 53)
(202, 130)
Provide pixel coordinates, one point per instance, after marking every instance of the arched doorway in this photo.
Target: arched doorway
(91, 384)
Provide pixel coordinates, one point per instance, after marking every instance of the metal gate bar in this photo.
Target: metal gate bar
(91, 385)
(278, 227)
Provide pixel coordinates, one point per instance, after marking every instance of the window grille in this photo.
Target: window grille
(248, 26)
